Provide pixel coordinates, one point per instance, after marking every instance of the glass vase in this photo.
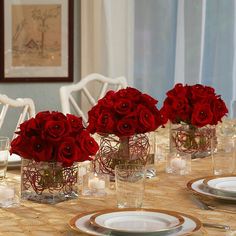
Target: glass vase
(192, 140)
(116, 150)
(48, 182)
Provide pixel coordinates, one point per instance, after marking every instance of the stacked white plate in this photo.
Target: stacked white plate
(14, 161)
(135, 222)
(218, 187)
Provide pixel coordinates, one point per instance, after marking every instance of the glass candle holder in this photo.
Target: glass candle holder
(95, 184)
(83, 169)
(9, 195)
(178, 163)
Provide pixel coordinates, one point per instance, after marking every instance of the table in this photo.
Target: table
(166, 191)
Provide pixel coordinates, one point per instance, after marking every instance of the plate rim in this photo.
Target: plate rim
(193, 218)
(208, 195)
(107, 211)
(206, 180)
(72, 221)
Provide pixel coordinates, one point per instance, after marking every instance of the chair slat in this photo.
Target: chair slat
(82, 86)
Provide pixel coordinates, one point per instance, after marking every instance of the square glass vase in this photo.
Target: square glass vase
(188, 139)
(48, 182)
(114, 150)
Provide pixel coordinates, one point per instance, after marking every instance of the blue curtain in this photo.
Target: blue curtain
(209, 46)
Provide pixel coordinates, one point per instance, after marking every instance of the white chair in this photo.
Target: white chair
(26, 110)
(89, 87)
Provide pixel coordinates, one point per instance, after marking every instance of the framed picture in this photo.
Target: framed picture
(36, 40)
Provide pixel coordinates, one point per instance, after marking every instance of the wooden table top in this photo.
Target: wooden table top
(166, 191)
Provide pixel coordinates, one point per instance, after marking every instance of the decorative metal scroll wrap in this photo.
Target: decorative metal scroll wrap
(48, 182)
(193, 140)
(116, 150)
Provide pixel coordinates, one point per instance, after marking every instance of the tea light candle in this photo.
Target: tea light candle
(96, 183)
(6, 193)
(178, 163)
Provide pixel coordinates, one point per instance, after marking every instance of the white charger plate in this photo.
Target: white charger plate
(81, 223)
(14, 160)
(138, 221)
(222, 185)
(198, 187)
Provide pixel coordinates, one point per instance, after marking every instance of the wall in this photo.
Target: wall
(45, 95)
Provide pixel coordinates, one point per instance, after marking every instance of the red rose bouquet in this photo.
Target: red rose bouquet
(122, 119)
(54, 137)
(194, 111)
(196, 105)
(124, 113)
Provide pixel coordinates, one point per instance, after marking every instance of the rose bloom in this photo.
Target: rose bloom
(54, 137)
(196, 105)
(145, 118)
(87, 143)
(123, 106)
(55, 130)
(124, 113)
(125, 127)
(202, 115)
(105, 122)
(67, 151)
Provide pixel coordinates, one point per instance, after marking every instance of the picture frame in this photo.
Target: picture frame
(36, 40)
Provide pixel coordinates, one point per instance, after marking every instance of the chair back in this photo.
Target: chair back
(93, 87)
(25, 106)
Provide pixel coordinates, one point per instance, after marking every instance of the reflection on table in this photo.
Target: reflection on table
(166, 191)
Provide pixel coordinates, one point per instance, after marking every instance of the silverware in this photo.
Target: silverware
(151, 172)
(217, 226)
(206, 206)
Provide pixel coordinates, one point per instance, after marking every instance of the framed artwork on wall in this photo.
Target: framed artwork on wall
(36, 40)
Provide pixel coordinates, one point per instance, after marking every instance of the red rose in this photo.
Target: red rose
(105, 122)
(123, 106)
(188, 104)
(128, 93)
(87, 143)
(202, 115)
(67, 152)
(163, 115)
(50, 137)
(178, 90)
(43, 115)
(116, 113)
(76, 124)
(41, 149)
(29, 128)
(58, 116)
(148, 100)
(177, 109)
(55, 130)
(201, 93)
(107, 100)
(126, 127)
(219, 110)
(93, 115)
(20, 146)
(146, 119)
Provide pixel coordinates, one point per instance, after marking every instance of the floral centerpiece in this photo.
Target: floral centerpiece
(122, 119)
(196, 110)
(51, 145)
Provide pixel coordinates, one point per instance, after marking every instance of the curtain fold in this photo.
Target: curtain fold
(157, 43)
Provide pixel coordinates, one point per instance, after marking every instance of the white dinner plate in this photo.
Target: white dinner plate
(137, 221)
(197, 186)
(14, 160)
(81, 223)
(222, 185)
